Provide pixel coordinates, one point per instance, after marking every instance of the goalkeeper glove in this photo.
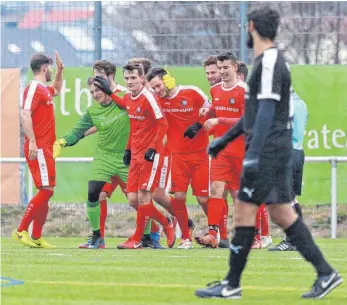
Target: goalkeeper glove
(192, 130)
(169, 81)
(127, 157)
(58, 146)
(150, 154)
(102, 84)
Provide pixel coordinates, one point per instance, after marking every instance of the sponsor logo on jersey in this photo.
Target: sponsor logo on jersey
(177, 110)
(222, 108)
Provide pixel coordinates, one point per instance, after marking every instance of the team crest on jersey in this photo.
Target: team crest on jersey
(232, 101)
(138, 109)
(184, 103)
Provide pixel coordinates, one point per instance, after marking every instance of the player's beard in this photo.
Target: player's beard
(48, 76)
(250, 41)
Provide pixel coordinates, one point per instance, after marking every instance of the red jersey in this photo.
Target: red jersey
(228, 103)
(38, 98)
(147, 123)
(181, 111)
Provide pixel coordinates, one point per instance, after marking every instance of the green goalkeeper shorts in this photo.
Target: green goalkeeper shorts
(107, 165)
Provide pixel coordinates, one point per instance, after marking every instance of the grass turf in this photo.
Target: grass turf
(67, 275)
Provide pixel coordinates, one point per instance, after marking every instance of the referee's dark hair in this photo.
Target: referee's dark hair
(266, 21)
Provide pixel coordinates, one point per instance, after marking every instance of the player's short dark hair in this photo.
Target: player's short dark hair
(227, 56)
(210, 60)
(105, 66)
(242, 69)
(91, 80)
(134, 67)
(154, 72)
(266, 21)
(145, 62)
(38, 60)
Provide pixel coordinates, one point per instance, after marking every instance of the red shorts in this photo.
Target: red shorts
(190, 168)
(42, 168)
(228, 169)
(144, 175)
(110, 187)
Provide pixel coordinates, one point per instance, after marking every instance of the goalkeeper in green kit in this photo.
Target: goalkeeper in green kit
(112, 123)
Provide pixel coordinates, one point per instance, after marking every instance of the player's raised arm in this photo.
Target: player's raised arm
(58, 79)
(74, 136)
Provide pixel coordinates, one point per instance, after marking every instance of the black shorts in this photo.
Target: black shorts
(273, 183)
(298, 160)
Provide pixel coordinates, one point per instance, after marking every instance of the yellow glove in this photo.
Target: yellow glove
(169, 80)
(58, 146)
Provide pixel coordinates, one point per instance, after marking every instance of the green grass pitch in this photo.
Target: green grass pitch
(322, 88)
(70, 276)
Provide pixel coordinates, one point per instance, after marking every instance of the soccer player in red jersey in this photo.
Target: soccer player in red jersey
(39, 127)
(227, 108)
(187, 144)
(148, 127)
(213, 77)
(262, 238)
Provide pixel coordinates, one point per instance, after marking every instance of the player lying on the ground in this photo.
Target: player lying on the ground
(39, 127)
(112, 123)
(187, 145)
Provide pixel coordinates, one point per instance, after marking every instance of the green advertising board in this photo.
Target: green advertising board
(323, 88)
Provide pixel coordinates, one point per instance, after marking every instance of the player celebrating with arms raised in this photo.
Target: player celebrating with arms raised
(39, 127)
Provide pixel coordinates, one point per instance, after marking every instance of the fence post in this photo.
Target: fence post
(243, 32)
(97, 30)
(333, 197)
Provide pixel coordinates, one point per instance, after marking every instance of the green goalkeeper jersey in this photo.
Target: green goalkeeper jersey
(112, 124)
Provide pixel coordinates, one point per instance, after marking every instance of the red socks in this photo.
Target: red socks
(37, 210)
(180, 209)
(264, 221)
(154, 227)
(144, 213)
(223, 222)
(103, 216)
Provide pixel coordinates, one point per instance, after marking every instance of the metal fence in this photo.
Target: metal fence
(172, 33)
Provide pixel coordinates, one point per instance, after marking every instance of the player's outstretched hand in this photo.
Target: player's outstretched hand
(250, 167)
(58, 62)
(216, 146)
(58, 146)
(192, 130)
(150, 154)
(169, 81)
(103, 85)
(127, 157)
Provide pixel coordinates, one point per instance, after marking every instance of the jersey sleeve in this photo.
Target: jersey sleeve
(33, 97)
(77, 133)
(270, 84)
(154, 106)
(200, 98)
(51, 90)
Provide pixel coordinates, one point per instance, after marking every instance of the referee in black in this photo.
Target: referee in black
(267, 168)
